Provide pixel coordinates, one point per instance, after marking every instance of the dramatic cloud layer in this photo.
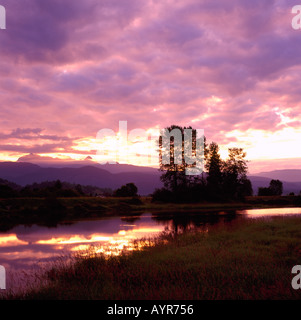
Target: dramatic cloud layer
(70, 68)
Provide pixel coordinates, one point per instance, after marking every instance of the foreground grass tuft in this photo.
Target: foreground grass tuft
(248, 260)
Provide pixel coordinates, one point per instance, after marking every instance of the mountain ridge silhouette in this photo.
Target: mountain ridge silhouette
(115, 175)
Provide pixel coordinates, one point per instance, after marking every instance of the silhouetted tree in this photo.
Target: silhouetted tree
(7, 192)
(128, 190)
(58, 185)
(174, 175)
(214, 170)
(79, 189)
(221, 181)
(245, 188)
(236, 185)
(163, 195)
(276, 187)
(262, 191)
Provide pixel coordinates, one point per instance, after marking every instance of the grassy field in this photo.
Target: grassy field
(245, 260)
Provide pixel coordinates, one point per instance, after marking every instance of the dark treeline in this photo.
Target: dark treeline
(222, 180)
(128, 190)
(275, 189)
(49, 189)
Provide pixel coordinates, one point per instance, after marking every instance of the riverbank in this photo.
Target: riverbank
(244, 260)
(51, 211)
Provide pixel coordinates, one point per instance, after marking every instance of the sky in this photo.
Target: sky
(71, 68)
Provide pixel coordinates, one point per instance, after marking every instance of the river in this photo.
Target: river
(26, 250)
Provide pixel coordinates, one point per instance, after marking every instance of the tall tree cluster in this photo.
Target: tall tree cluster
(222, 180)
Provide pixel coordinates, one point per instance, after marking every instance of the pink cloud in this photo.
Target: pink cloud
(73, 68)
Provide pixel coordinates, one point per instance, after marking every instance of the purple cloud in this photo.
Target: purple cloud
(74, 67)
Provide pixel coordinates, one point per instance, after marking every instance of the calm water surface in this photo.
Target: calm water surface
(25, 250)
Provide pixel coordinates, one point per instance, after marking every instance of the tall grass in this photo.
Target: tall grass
(245, 260)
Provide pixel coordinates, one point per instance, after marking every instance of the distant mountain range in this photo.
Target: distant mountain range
(48, 162)
(114, 176)
(23, 173)
(288, 187)
(290, 175)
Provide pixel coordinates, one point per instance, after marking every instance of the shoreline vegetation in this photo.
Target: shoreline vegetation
(245, 260)
(51, 211)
